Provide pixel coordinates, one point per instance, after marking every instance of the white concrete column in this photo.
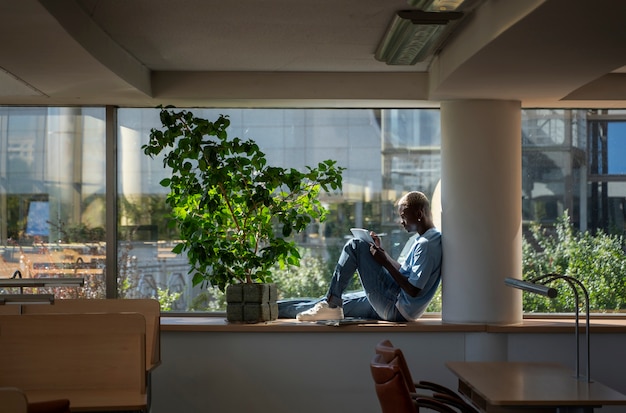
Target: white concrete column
(481, 210)
(131, 162)
(64, 169)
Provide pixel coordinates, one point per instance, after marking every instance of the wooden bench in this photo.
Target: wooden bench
(97, 360)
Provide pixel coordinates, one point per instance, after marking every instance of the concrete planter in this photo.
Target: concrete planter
(251, 303)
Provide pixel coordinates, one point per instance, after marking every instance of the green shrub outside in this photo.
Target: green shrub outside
(596, 259)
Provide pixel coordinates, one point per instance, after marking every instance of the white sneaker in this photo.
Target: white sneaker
(321, 311)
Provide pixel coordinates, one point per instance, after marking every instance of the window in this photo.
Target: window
(607, 171)
(553, 159)
(53, 186)
(572, 163)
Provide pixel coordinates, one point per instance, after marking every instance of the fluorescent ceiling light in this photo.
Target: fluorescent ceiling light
(412, 36)
(436, 5)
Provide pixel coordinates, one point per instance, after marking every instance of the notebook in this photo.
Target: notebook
(362, 234)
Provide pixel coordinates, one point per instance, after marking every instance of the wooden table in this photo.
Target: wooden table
(497, 387)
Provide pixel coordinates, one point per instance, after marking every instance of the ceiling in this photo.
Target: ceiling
(305, 53)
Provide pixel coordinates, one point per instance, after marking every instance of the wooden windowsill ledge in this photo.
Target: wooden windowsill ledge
(564, 324)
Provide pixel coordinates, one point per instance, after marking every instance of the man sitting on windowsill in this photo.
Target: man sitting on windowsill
(392, 290)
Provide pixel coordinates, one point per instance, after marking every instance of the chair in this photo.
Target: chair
(393, 394)
(439, 392)
(13, 400)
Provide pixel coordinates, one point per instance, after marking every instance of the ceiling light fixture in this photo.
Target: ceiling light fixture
(435, 5)
(412, 36)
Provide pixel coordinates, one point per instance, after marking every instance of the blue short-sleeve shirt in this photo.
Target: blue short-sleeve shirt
(422, 267)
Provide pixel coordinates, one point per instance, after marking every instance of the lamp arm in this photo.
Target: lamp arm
(573, 283)
(531, 287)
(548, 278)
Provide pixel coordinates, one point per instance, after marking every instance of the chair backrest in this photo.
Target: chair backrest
(392, 393)
(391, 390)
(12, 400)
(388, 353)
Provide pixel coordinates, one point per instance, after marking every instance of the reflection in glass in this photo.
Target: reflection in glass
(52, 191)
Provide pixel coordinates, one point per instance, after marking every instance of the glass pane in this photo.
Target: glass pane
(578, 196)
(553, 166)
(52, 196)
(617, 148)
(386, 153)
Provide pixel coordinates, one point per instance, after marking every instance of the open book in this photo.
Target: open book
(362, 234)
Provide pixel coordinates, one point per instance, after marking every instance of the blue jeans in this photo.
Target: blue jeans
(377, 300)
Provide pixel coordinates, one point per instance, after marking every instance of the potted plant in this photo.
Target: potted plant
(236, 214)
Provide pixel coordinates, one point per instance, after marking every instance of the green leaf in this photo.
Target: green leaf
(178, 248)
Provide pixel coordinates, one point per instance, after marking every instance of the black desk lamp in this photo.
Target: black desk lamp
(537, 286)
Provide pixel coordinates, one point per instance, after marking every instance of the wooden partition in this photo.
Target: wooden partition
(95, 360)
(149, 308)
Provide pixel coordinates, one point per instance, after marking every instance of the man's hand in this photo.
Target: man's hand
(376, 238)
(378, 253)
(393, 266)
